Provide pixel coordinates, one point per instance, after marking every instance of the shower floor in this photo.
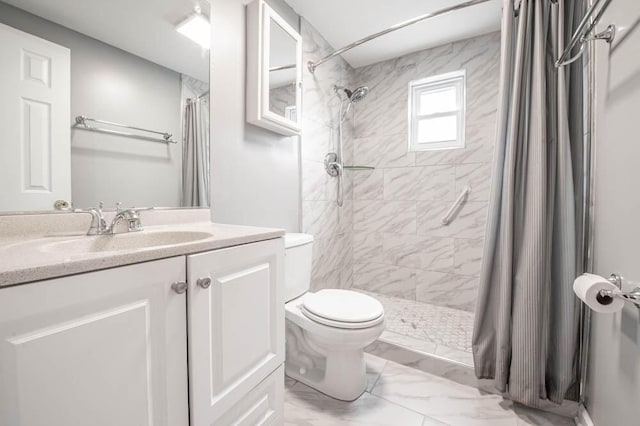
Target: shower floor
(437, 330)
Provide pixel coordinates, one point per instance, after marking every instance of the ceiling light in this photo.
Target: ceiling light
(197, 28)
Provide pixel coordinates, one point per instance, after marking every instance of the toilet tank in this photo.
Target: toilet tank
(298, 250)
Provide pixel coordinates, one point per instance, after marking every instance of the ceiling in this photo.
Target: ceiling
(145, 28)
(342, 22)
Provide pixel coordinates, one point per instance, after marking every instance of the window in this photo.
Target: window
(436, 112)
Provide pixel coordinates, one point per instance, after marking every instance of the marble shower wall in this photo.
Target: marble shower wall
(329, 224)
(400, 248)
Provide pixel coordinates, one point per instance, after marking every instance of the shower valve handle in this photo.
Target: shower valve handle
(331, 165)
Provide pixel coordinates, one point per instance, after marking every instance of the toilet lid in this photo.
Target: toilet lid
(342, 306)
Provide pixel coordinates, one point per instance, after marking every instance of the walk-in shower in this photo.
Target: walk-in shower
(334, 161)
(386, 236)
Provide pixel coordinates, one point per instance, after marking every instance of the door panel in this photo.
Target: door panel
(236, 326)
(264, 405)
(102, 348)
(34, 118)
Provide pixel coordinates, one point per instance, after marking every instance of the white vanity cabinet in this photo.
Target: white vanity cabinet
(103, 348)
(110, 347)
(236, 333)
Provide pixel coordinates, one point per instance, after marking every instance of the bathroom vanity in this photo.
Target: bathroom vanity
(176, 325)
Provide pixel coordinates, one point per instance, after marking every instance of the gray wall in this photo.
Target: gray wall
(110, 84)
(255, 172)
(613, 391)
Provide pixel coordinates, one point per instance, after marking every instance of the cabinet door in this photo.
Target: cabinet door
(236, 325)
(263, 406)
(103, 348)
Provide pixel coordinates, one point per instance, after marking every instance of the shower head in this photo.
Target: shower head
(357, 95)
(354, 96)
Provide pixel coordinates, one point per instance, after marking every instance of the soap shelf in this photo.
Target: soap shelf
(356, 168)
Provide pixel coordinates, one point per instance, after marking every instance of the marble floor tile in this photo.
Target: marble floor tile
(530, 416)
(442, 399)
(428, 421)
(404, 396)
(306, 406)
(289, 382)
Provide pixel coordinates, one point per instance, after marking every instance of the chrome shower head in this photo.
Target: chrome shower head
(354, 96)
(357, 95)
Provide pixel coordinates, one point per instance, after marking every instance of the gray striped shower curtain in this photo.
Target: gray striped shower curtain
(525, 333)
(195, 154)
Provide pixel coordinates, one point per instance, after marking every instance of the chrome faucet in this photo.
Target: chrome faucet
(99, 225)
(131, 216)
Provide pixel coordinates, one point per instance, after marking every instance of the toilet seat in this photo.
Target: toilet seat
(342, 309)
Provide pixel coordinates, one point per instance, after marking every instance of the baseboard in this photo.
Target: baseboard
(583, 418)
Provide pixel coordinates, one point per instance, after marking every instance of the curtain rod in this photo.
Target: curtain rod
(311, 65)
(581, 35)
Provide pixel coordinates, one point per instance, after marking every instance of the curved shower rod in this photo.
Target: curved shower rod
(311, 65)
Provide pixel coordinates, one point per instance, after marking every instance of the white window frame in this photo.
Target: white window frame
(456, 79)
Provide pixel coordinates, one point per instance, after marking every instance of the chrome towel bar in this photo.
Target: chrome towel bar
(456, 205)
(81, 123)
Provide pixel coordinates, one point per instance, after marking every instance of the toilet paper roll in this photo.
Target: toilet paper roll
(587, 287)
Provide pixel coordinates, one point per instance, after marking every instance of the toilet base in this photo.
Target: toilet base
(343, 376)
(339, 374)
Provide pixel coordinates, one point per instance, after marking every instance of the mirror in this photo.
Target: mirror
(282, 72)
(97, 111)
(274, 74)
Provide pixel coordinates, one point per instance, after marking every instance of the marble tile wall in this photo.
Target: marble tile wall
(400, 247)
(331, 225)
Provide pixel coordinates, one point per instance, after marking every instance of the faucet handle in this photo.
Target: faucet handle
(141, 209)
(100, 206)
(118, 207)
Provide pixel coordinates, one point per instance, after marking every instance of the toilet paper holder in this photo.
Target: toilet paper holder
(605, 297)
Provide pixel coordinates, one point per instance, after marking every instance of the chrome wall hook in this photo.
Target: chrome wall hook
(608, 35)
(583, 31)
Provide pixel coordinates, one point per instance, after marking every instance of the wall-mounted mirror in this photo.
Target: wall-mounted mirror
(274, 74)
(104, 101)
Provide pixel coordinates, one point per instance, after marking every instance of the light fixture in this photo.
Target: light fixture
(197, 28)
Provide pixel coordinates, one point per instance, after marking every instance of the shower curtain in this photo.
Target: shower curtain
(195, 154)
(525, 331)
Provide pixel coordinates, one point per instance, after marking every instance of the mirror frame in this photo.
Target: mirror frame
(259, 16)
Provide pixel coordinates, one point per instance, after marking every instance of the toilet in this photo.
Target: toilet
(326, 331)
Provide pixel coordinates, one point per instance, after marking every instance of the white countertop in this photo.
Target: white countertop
(25, 258)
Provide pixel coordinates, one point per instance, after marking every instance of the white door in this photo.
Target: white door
(34, 122)
(104, 348)
(236, 325)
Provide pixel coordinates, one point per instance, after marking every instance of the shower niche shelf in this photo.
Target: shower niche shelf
(358, 168)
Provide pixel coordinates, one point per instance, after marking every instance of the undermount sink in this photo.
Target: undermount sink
(126, 241)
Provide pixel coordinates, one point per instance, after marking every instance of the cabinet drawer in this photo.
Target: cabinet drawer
(236, 324)
(263, 406)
